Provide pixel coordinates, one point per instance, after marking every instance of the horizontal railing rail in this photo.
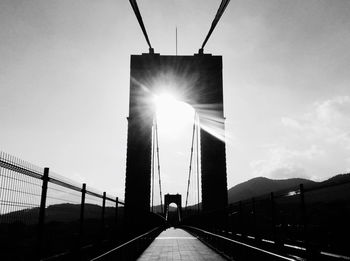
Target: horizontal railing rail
(233, 249)
(131, 249)
(12, 166)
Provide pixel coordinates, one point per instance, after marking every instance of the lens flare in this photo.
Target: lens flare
(173, 116)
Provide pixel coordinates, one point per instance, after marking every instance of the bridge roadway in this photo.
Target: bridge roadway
(177, 244)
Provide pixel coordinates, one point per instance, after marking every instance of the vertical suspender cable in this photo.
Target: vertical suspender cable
(198, 151)
(190, 168)
(153, 149)
(160, 182)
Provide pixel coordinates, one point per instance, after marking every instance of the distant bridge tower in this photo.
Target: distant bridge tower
(176, 199)
(198, 79)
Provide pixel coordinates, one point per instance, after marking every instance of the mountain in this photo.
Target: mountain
(262, 186)
(340, 178)
(259, 186)
(65, 212)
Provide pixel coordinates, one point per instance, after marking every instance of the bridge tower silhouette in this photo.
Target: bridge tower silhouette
(176, 199)
(198, 79)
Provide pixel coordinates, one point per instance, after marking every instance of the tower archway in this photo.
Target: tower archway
(169, 199)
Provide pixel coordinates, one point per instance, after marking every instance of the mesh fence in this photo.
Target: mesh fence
(20, 190)
(315, 216)
(49, 214)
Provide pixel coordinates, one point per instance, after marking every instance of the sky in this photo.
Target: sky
(64, 84)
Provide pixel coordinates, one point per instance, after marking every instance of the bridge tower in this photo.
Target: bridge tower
(173, 198)
(198, 79)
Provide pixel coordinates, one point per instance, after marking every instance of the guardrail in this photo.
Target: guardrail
(233, 249)
(132, 249)
(309, 220)
(43, 213)
(236, 247)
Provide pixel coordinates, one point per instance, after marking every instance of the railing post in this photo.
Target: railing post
(241, 218)
(303, 214)
(116, 212)
(273, 218)
(254, 220)
(103, 212)
(227, 222)
(41, 222)
(82, 208)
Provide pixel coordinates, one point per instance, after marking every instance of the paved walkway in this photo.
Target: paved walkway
(177, 244)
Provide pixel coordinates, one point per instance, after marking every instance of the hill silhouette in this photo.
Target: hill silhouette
(259, 186)
(65, 212)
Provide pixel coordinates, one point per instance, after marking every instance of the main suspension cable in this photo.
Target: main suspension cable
(139, 19)
(218, 15)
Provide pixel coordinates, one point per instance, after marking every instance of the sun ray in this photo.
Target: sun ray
(172, 115)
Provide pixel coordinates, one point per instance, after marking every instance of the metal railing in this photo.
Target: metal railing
(233, 249)
(310, 220)
(132, 249)
(43, 213)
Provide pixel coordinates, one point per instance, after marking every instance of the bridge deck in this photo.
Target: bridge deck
(177, 244)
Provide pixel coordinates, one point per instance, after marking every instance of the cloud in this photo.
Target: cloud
(291, 123)
(315, 144)
(334, 110)
(328, 121)
(284, 163)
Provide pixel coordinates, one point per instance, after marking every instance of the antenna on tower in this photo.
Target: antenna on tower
(176, 40)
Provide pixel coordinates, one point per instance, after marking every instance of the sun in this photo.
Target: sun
(172, 115)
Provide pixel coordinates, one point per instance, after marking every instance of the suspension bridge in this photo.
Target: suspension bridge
(45, 216)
